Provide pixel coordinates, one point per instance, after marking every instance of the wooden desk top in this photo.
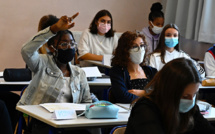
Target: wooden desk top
(43, 115)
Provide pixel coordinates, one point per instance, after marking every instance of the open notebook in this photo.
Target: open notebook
(79, 108)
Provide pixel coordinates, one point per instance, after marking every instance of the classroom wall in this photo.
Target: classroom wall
(19, 20)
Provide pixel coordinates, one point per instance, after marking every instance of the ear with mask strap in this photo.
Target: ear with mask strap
(55, 53)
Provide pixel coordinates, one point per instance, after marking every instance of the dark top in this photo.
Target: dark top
(120, 83)
(138, 83)
(145, 118)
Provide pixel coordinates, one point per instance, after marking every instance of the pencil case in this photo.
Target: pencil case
(208, 82)
(17, 74)
(101, 110)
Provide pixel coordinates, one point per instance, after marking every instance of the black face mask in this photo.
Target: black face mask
(65, 56)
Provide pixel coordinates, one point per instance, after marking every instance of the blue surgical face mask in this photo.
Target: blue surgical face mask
(171, 42)
(185, 104)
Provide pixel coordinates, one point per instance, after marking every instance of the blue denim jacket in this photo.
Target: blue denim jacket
(47, 81)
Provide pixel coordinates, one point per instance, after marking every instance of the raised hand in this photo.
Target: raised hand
(64, 23)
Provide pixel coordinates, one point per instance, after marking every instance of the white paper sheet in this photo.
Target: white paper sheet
(1, 74)
(64, 114)
(107, 59)
(51, 107)
(92, 71)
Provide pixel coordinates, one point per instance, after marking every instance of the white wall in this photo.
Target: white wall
(19, 20)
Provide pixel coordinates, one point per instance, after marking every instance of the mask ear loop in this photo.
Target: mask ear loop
(55, 54)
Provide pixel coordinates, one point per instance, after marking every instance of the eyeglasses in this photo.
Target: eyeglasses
(137, 48)
(66, 45)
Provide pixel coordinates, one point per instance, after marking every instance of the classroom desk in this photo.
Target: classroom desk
(97, 63)
(18, 86)
(206, 87)
(12, 86)
(43, 115)
(100, 82)
(205, 90)
(211, 115)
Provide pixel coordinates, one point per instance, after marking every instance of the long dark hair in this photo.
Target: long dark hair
(161, 47)
(93, 26)
(125, 43)
(167, 87)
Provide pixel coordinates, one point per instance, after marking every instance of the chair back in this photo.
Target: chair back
(110, 96)
(118, 130)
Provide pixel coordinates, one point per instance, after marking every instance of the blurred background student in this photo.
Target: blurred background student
(99, 39)
(129, 75)
(170, 107)
(156, 23)
(209, 61)
(169, 48)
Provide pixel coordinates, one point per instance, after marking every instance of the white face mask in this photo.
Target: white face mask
(137, 56)
(156, 29)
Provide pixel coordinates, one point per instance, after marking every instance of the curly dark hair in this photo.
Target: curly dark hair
(93, 26)
(125, 43)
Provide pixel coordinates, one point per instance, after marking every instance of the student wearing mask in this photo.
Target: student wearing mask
(209, 61)
(128, 75)
(55, 79)
(170, 107)
(99, 39)
(45, 21)
(156, 22)
(168, 49)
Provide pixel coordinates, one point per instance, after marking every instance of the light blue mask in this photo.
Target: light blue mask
(171, 42)
(185, 105)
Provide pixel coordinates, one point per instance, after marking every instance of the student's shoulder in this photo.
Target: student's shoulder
(183, 54)
(155, 54)
(116, 69)
(76, 68)
(145, 104)
(145, 32)
(149, 69)
(87, 32)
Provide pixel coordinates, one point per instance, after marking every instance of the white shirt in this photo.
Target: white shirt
(66, 94)
(155, 60)
(209, 63)
(96, 44)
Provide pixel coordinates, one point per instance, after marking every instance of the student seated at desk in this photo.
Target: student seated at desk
(129, 75)
(45, 22)
(168, 49)
(209, 61)
(170, 107)
(99, 39)
(55, 79)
